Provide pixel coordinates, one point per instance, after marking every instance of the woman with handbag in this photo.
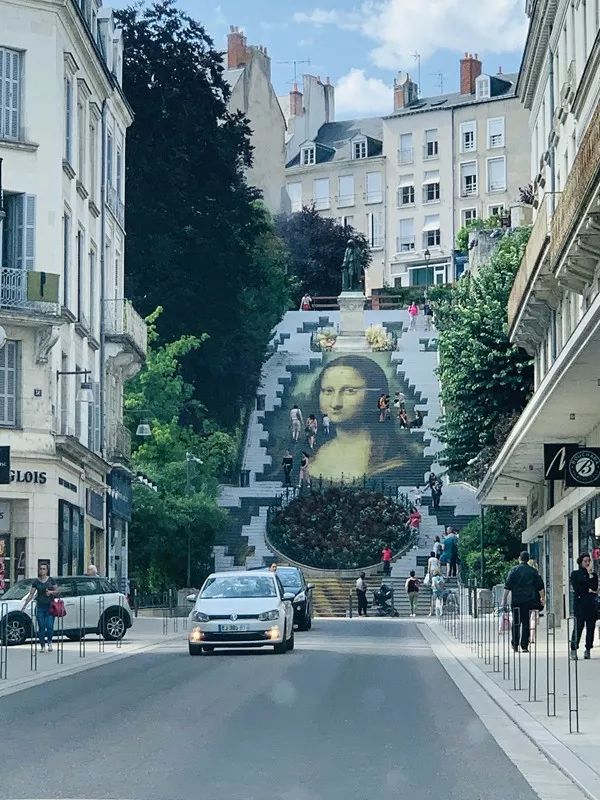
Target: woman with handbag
(44, 589)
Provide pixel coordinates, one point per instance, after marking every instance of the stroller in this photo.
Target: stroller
(382, 605)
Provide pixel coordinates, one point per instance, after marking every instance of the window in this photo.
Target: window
(496, 174)
(406, 192)
(18, 242)
(359, 149)
(66, 257)
(496, 211)
(68, 152)
(93, 257)
(375, 229)
(346, 190)
(9, 384)
(482, 87)
(468, 215)
(81, 137)
(374, 193)
(119, 173)
(10, 93)
(109, 159)
(81, 299)
(345, 222)
(93, 168)
(431, 187)
(468, 179)
(294, 191)
(307, 156)
(405, 152)
(468, 132)
(431, 143)
(406, 236)
(321, 193)
(431, 231)
(495, 132)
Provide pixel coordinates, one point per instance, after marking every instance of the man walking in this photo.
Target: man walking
(527, 593)
(361, 595)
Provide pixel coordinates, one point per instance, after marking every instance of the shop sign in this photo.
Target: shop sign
(94, 504)
(119, 495)
(5, 472)
(28, 476)
(583, 467)
(4, 517)
(555, 460)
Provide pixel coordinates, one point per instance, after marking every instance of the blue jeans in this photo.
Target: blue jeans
(45, 623)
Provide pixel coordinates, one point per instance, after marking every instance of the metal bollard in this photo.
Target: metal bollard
(516, 629)
(60, 641)
(100, 622)
(4, 642)
(122, 618)
(573, 677)
(82, 627)
(33, 642)
(165, 621)
(532, 675)
(551, 664)
(350, 605)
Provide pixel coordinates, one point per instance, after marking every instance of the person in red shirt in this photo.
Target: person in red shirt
(414, 519)
(386, 555)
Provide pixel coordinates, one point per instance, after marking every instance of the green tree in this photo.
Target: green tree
(502, 545)
(462, 237)
(198, 241)
(316, 247)
(483, 376)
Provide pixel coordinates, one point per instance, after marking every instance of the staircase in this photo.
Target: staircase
(332, 596)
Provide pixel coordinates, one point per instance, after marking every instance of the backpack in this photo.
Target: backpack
(413, 585)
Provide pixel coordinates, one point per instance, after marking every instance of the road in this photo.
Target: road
(361, 709)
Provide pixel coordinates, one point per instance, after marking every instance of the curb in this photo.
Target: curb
(21, 684)
(558, 753)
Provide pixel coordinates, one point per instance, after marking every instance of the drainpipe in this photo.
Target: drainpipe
(107, 527)
(453, 204)
(552, 106)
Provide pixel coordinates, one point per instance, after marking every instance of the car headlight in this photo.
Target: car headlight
(198, 616)
(300, 598)
(267, 616)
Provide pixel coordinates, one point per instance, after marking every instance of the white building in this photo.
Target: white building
(554, 307)
(71, 337)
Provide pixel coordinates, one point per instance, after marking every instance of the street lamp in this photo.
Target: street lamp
(85, 393)
(427, 257)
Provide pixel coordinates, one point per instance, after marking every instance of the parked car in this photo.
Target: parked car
(104, 610)
(293, 581)
(241, 609)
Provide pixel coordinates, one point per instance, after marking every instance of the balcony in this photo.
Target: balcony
(26, 291)
(123, 325)
(118, 443)
(116, 205)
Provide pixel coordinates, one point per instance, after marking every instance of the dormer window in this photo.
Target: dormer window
(307, 155)
(482, 87)
(359, 148)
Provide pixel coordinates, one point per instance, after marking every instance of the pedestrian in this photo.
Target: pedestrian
(386, 407)
(413, 313)
(437, 546)
(306, 304)
(403, 418)
(325, 424)
(585, 588)
(412, 590)
(287, 463)
(428, 314)
(451, 551)
(304, 477)
(414, 520)
(431, 480)
(386, 557)
(361, 595)
(527, 593)
(433, 567)
(92, 571)
(416, 496)
(297, 421)
(311, 431)
(381, 407)
(399, 400)
(417, 421)
(43, 588)
(438, 587)
(436, 494)
(273, 567)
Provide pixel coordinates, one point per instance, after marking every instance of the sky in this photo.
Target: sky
(362, 44)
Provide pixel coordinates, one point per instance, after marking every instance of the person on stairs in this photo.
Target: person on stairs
(287, 463)
(412, 590)
(386, 557)
(361, 595)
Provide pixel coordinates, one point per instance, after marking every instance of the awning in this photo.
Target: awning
(432, 226)
(407, 180)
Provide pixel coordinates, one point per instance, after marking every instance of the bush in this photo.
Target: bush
(339, 528)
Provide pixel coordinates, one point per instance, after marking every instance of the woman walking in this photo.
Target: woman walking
(412, 590)
(43, 589)
(304, 470)
(311, 431)
(585, 588)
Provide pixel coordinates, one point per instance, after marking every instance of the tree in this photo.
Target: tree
(502, 545)
(483, 376)
(198, 241)
(316, 247)
(462, 237)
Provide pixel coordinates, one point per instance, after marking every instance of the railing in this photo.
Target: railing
(536, 247)
(469, 191)
(345, 200)
(116, 205)
(406, 156)
(119, 442)
(374, 197)
(582, 178)
(122, 320)
(430, 150)
(13, 292)
(405, 244)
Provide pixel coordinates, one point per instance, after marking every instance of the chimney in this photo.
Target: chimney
(406, 91)
(295, 102)
(237, 52)
(470, 70)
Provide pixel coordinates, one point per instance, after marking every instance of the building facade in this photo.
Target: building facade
(554, 306)
(71, 339)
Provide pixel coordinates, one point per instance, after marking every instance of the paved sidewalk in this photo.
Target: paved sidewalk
(145, 634)
(488, 657)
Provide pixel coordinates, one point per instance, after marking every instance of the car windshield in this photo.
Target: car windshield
(17, 592)
(239, 586)
(290, 578)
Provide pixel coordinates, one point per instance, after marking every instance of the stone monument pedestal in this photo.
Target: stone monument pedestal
(352, 323)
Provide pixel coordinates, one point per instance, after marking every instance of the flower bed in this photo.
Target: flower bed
(325, 339)
(379, 339)
(339, 528)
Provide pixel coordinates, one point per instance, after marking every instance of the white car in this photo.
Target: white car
(102, 610)
(241, 609)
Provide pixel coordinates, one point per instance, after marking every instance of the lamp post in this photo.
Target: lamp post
(427, 257)
(85, 393)
(190, 459)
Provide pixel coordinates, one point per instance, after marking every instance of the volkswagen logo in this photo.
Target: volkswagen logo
(233, 617)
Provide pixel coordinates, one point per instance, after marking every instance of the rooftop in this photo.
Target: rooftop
(333, 139)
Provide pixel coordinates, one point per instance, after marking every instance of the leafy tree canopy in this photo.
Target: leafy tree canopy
(462, 237)
(502, 544)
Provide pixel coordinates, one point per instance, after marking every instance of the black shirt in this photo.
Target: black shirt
(582, 582)
(43, 598)
(525, 583)
(287, 462)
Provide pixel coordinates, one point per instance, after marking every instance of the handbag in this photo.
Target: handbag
(57, 608)
(427, 580)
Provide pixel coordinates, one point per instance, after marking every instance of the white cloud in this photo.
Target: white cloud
(399, 27)
(358, 95)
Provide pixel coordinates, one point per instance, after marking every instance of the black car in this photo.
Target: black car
(294, 582)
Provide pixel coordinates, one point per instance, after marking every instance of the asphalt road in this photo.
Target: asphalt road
(361, 709)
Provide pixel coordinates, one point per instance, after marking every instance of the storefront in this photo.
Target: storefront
(119, 516)
(95, 539)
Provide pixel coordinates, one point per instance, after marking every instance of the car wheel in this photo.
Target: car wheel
(290, 643)
(16, 629)
(207, 649)
(195, 649)
(280, 649)
(113, 624)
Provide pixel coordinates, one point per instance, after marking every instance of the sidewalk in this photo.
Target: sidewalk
(488, 657)
(144, 634)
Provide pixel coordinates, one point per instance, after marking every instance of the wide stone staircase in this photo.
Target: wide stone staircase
(332, 596)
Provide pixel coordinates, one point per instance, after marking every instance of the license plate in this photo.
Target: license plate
(232, 628)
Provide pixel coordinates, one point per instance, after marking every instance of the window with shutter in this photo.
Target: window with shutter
(9, 381)
(97, 418)
(10, 93)
(68, 119)
(495, 132)
(496, 174)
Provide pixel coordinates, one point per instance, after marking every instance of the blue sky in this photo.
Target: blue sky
(361, 45)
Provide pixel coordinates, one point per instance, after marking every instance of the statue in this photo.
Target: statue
(351, 268)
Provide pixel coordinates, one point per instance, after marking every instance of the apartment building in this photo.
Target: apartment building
(69, 339)
(550, 463)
